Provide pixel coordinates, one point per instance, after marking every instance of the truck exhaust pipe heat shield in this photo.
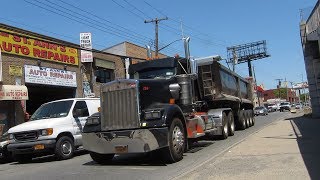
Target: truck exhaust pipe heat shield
(186, 47)
(184, 80)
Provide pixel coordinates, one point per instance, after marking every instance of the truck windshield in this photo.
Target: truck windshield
(155, 73)
(52, 110)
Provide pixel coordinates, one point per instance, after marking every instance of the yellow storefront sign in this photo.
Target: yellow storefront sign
(15, 70)
(24, 45)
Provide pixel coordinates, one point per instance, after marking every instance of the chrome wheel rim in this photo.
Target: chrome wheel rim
(177, 139)
(225, 128)
(66, 148)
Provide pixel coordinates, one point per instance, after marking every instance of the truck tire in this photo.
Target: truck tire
(253, 118)
(250, 118)
(225, 126)
(241, 120)
(247, 118)
(22, 158)
(176, 142)
(231, 125)
(64, 148)
(101, 158)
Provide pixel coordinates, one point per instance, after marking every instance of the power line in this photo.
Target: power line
(129, 11)
(113, 30)
(189, 27)
(121, 27)
(136, 8)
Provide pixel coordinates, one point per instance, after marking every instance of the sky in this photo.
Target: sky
(212, 26)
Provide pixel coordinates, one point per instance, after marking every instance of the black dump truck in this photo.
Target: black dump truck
(165, 104)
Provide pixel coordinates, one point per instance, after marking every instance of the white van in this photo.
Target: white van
(54, 128)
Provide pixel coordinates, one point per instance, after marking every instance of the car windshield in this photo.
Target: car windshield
(284, 103)
(156, 73)
(260, 107)
(52, 110)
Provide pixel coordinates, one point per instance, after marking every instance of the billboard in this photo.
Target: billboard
(30, 46)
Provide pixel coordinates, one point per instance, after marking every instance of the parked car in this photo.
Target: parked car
(54, 128)
(260, 110)
(272, 107)
(5, 155)
(298, 106)
(293, 109)
(285, 106)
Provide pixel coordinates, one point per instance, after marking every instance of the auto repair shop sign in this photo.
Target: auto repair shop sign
(49, 76)
(29, 46)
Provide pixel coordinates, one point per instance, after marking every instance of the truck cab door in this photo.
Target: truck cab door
(80, 114)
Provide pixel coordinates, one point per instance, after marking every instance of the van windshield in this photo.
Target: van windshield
(52, 110)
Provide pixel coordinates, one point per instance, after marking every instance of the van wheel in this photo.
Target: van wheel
(101, 158)
(22, 158)
(176, 142)
(64, 148)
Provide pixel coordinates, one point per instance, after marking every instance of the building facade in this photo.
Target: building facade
(286, 94)
(35, 69)
(310, 39)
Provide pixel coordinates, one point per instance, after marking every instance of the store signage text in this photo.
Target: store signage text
(49, 76)
(14, 94)
(19, 44)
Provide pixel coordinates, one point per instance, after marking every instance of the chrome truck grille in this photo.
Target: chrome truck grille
(120, 105)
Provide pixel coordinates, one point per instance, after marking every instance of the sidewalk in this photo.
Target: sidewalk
(286, 149)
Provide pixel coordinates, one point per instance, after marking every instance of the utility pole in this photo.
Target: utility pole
(278, 87)
(255, 81)
(156, 21)
(295, 95)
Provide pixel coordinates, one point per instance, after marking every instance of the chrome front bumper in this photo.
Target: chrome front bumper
(126, 141)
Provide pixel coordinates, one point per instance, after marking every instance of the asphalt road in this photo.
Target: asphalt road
(138, 166)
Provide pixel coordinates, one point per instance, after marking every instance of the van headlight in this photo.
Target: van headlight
(46, 132)
(10, 136)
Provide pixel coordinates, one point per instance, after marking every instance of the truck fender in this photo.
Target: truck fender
(170, 111)
(216, 115)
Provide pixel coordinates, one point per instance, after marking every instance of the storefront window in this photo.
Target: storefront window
(104, 75)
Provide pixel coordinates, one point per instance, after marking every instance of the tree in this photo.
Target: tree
(304, 97)
(282, 91)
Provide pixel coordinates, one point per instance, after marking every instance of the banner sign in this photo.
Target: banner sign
(86, 43)
(49, 76)
(0, 66)
(31, 46)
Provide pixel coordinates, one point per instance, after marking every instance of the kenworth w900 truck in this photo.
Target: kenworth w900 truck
(165, 104)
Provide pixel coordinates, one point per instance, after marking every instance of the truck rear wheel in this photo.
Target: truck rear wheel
(176, 142)
(250, 115)
(241, 124)
(247, 118)
(253, 118)
(101, 158)
(225, 126)
(231, 123)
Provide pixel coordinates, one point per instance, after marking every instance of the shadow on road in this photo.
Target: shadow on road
(307, 132)
(51, 158)
(147, 159)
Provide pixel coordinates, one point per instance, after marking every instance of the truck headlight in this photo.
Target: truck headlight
(152, 114)
(46, 132)
(93, 121)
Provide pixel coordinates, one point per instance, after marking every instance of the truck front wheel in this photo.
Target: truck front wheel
(176, 142)
(101, 158)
